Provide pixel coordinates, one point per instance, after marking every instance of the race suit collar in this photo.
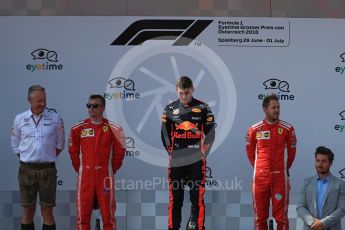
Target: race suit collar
(186, 105)
(88, 120)
(269, 123)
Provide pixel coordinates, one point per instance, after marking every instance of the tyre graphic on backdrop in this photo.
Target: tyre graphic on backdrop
(143, 82)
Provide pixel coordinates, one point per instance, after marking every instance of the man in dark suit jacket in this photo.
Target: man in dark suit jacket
(321, 202)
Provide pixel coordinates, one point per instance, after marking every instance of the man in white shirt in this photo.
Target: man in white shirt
(38, 137)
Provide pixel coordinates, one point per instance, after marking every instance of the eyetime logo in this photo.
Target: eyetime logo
(183, 32)
(280, 88)
(341, 69)
(48, 61)
(123, 89)
(340, 127)
(130, 148)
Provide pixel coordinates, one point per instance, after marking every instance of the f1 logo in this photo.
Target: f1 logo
(182, 31)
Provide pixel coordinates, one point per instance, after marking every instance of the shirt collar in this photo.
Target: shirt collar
(30, 114)
(324, 180)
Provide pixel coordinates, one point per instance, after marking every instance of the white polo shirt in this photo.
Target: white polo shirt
(36, 138)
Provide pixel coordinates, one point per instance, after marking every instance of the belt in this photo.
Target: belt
(38, 165)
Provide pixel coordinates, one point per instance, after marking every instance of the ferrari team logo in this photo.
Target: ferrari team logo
(280, 131)
(105, 128)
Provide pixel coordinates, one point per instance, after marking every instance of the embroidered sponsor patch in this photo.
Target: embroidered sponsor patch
(195, 110)
(164, 117)
(210, 118)
(293, 139)
(176, 111)
(107, 184)
(105, 128)
(247, 139)
(87, 133)
(70, 141)
(263, 135)
(278, 196)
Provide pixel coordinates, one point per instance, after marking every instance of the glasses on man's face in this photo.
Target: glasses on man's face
(93, 106)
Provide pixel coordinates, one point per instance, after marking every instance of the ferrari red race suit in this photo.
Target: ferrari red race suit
(97, 152)
(188, 132)
(271, 150)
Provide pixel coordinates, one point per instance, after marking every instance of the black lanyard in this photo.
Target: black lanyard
(36, 123)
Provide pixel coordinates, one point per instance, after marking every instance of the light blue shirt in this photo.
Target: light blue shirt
(36, 138)
(321, 191)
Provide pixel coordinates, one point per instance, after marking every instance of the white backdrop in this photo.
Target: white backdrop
(233, 61)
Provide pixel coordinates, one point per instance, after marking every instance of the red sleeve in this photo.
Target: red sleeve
(291, 146)
(251, 145)
(74, 148)
(119, 149)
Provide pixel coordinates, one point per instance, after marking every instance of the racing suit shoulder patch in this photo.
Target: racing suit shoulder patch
(113, 124)
(257, 125)
(285, 124)
(80, 123)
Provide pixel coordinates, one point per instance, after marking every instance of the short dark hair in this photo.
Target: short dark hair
(268, 99)
(34, 88)
(325, 151)
(184, 82)
(97, 96)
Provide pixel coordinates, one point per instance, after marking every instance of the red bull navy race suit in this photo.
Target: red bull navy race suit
(188, 132)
